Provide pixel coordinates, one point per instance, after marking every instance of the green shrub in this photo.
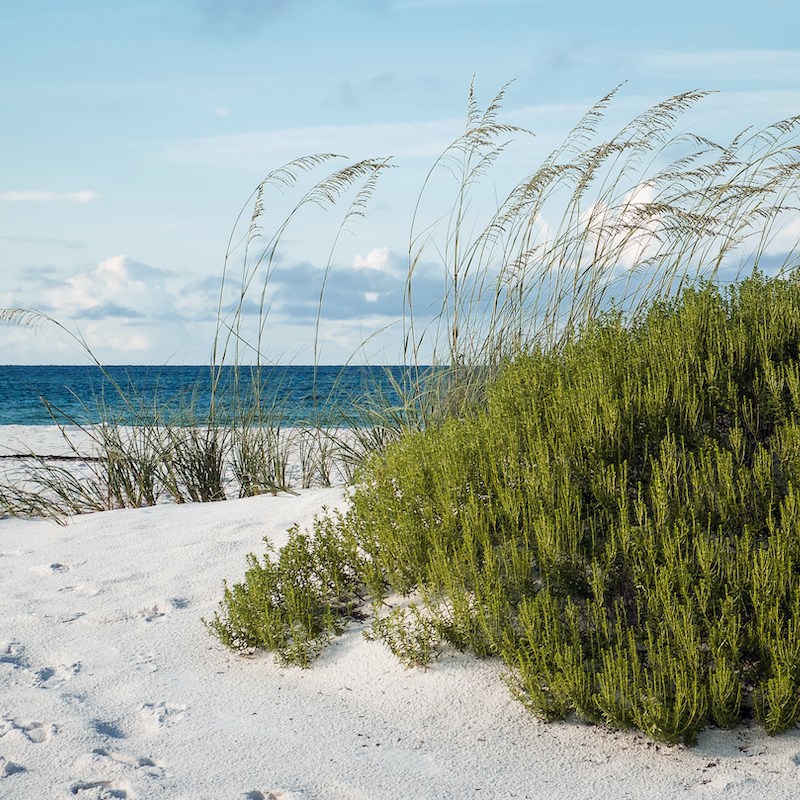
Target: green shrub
(619, 524)
(293, 603)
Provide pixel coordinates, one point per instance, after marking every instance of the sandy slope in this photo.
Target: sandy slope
(111, 687)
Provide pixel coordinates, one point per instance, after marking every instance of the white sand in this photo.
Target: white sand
(111, 687)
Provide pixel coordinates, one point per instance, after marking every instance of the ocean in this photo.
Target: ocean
(44, 395)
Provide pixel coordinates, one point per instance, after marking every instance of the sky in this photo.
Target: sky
(135, 132)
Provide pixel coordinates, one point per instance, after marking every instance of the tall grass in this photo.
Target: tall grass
(616, 222)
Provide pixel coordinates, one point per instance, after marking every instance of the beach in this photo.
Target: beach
(111, 686)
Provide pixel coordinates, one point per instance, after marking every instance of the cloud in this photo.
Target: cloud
(241, 151)
(385, 85)
(374, 286)
(217, 105)
(410, 4)
(48, 197)
(109, 310)
(124, 310)
(767, 65)
(116, 288)
(377, 260)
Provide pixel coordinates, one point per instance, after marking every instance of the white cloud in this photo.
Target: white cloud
(48, 197)
(220, 111)
(125, 311)
(117, 287)
(376, 260)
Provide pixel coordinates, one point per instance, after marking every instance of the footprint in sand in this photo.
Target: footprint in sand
(53, 568)
(108, 729)
(151, 614)
(161, 715)
(116, 765)
(36, 732)
(84, 589)
(9, 768)
(12, 653)
(144, 662)
(274, 794)
(101, 790)
(141, 764)
(69, 617)
(161, 609)
(50, 677)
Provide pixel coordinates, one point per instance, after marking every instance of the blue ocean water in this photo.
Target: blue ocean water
(40, 395)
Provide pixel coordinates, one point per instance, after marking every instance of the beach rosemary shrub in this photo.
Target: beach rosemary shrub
(591, 470)
(293, 602)
(619, 524)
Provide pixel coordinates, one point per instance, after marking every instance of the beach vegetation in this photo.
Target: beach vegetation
(589, 468)
(596, 482)
(618, 524)
(294, 601)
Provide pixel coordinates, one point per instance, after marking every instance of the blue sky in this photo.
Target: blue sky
(134, 131)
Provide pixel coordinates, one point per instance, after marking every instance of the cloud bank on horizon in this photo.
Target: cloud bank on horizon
(143, 128)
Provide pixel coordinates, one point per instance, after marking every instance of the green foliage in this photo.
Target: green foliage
(606, 500)
(411, 634)
(619, 523)
(293, 603)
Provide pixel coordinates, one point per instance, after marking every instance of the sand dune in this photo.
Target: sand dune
(111, 687)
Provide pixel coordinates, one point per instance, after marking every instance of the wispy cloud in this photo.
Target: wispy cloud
(387, 84)
(237, 18)
(217, 105)
(402, 4)
(48, 197)
(109, 310)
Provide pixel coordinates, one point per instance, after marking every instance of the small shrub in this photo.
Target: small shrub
(411, 634)
(293, 603)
